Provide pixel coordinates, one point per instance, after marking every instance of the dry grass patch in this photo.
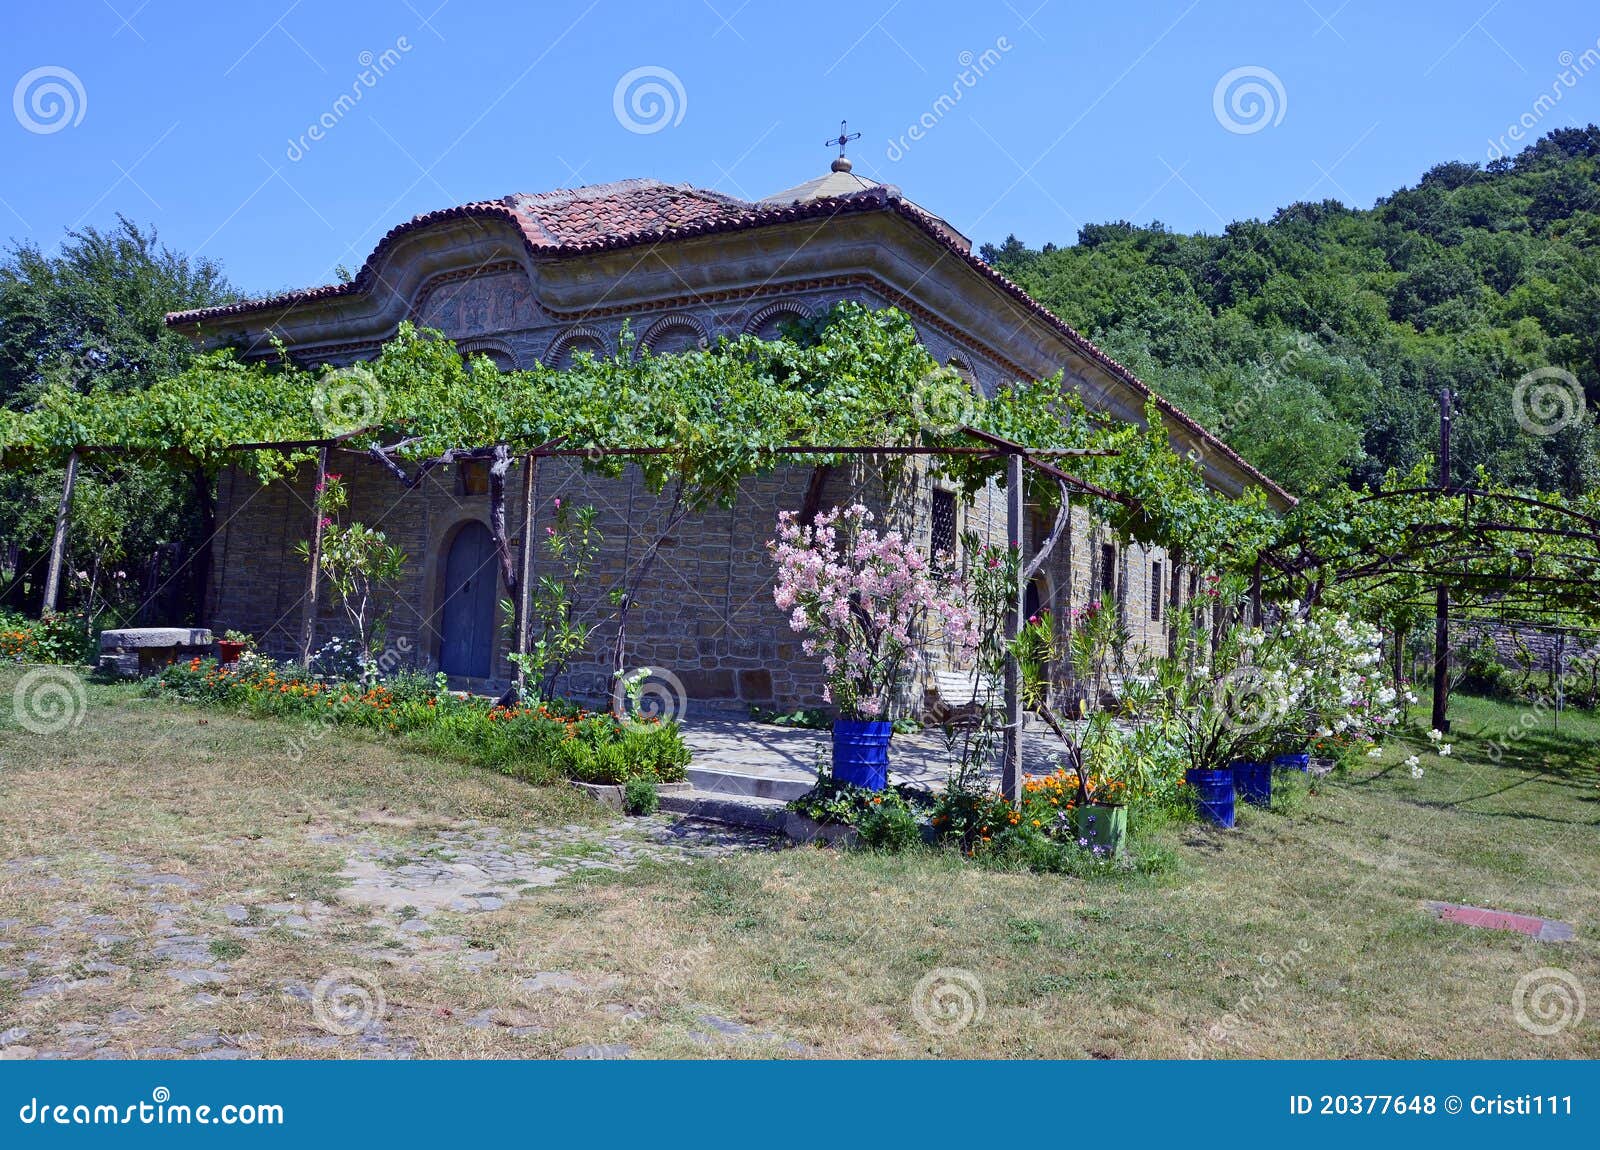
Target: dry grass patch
(1295, 936)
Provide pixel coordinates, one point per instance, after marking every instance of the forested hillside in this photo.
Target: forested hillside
(1316, 343)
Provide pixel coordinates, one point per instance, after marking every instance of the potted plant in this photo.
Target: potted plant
(865, 602)
(232, 646)
(1100, 816)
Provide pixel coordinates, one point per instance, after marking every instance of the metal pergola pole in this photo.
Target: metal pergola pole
(530, 466)
(1011, 763)
(1441, 616)
(308, 625)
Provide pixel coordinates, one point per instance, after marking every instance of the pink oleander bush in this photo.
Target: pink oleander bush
(866, 601)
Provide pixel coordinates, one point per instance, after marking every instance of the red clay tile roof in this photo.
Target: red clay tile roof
(625, 208)
(630, 213)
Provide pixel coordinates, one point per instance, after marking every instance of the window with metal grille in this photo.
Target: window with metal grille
(1156, 588)
(1108, 569)
(942, 547)
(472, 477)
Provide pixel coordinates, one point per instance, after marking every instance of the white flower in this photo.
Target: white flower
(1413, 762)
(1435, 735)
(1375, 753)
(1416, 772)
(1444, 751)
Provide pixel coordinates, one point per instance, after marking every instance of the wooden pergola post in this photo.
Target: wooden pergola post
(308, 626)
(58, 541)
(530, 466)
(1011, 762)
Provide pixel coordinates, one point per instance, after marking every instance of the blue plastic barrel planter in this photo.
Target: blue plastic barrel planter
(1300, 762)
(1213, 794)
(1254, 782)
(861, 753)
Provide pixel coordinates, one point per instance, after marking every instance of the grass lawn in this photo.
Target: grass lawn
(1299, 934)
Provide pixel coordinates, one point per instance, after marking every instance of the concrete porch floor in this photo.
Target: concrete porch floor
(781, 762)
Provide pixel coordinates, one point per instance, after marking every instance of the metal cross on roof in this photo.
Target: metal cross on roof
(842, 163)
(843, 138)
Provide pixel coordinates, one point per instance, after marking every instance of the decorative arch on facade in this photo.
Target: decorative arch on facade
(559, 353)
(675, 333)
(768, 322)
(497, 350)
(962, 366)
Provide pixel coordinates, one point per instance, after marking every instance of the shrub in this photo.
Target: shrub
(886, 820)
(65, 637)
(639, 797)
(539, 743)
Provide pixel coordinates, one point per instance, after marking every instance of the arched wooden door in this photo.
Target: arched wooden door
(466, 624)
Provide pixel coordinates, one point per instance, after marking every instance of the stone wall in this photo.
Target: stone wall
(1542, 644)
(704, 614)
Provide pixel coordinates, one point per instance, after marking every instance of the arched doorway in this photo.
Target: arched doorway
(466, 623)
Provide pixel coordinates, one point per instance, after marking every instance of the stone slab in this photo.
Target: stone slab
(805, 829)
(738, 811)
(612, 796)
(133, 638)
(1543, 929)
(130, 652)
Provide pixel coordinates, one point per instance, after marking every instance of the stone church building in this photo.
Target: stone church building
(539, 277)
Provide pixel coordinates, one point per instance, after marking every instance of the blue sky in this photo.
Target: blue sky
(195, 117)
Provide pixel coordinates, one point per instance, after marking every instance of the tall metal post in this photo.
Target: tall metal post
(530, 464)
(308, 624)
(1441, 618)
(1011, 765)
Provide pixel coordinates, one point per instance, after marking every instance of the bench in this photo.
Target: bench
(959, 697)
(133, 651)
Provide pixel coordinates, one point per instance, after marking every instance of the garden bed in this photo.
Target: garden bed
(540, 743)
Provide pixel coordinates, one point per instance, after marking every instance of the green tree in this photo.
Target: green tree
(92, 315)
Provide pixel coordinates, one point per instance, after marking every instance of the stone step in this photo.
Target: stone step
(781, 785)
(735, 810)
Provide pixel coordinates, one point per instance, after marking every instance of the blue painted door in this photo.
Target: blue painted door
(466, 627)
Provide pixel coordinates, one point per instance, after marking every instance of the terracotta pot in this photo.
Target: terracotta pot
(228, 651)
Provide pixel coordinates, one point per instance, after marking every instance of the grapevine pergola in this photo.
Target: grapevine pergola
(855, 384)
(1421, 545)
